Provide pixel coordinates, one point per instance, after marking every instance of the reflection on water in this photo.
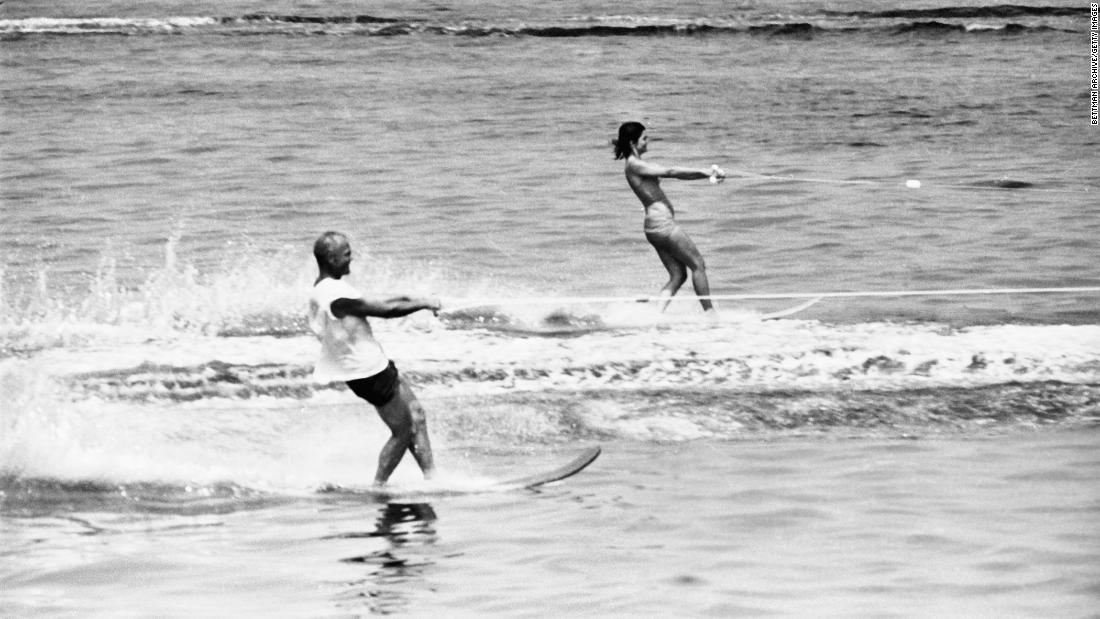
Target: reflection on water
(395, 570)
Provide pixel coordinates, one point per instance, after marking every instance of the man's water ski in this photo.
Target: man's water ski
(349, 353)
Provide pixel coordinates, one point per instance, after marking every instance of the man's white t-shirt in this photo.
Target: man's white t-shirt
(348, 348)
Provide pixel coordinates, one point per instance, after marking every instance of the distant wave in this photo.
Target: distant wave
(927, 21)
(309, 19)
(932, 27)
(968, 12)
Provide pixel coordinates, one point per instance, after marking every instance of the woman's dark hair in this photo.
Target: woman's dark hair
(629, 132)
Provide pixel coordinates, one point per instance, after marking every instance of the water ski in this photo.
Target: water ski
(438, 489)
(790, 310)
(567, 470)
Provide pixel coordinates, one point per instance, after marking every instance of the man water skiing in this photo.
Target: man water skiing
(349, 353)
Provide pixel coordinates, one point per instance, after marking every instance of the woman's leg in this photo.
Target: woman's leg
(682, 249)
(677, 272)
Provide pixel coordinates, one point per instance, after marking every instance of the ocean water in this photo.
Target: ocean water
(167, 166)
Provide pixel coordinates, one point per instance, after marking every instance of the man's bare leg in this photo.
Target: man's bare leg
(404, 416)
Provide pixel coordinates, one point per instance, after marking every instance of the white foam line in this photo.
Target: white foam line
(462, 304)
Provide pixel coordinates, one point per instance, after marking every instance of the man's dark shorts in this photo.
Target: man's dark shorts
(378, 389)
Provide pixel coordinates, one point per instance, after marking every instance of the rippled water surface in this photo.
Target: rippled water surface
(166, 168)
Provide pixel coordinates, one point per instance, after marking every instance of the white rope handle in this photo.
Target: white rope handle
(465, 304)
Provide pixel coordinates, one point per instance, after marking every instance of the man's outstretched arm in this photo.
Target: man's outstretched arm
(392, 307)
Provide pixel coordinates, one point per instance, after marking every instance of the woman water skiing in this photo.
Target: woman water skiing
(677, 251)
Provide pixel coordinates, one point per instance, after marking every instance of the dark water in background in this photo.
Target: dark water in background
(167, 167)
